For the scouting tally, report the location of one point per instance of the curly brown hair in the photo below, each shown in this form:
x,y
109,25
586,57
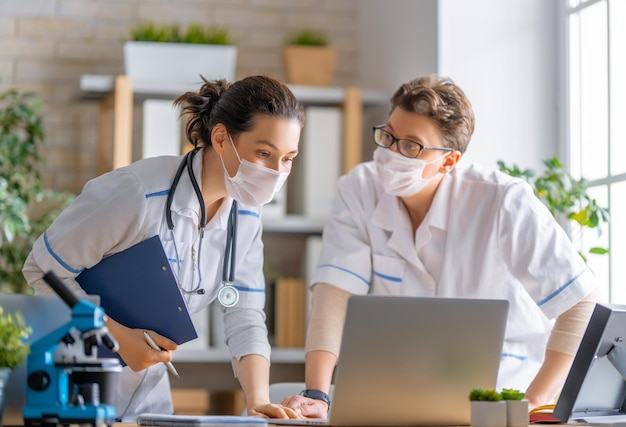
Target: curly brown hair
x,y
443,101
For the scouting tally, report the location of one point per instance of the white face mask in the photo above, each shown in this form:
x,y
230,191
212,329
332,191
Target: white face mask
x,y
253,184
400,175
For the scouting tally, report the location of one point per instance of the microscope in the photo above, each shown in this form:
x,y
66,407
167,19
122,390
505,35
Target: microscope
x,y
66,381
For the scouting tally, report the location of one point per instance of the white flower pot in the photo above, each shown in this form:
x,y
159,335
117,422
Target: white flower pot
x,y
517,413
488,414
178,63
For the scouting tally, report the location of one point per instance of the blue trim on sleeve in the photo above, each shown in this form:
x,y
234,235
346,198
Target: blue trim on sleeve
x,y
390,278
58,258
561,289
363,279
246,289
158,193
515,356
247,212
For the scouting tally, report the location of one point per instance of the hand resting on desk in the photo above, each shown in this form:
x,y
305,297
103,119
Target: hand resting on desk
x,y
271,410
309,408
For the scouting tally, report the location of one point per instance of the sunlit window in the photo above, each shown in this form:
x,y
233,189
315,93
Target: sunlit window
x,y
597,127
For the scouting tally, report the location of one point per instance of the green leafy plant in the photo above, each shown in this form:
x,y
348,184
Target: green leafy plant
x,y
479,394
307,37
511,394
566,197
26,208
169,33
13,332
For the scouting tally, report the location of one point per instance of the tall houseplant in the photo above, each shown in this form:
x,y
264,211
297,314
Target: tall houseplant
x,y
26,208
566,197
166,53
308,59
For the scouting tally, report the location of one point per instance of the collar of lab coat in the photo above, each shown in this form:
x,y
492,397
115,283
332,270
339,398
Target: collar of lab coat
x,y
391,215
186,202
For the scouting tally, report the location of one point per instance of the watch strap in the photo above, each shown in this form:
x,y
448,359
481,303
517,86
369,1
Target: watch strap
x,y
316,394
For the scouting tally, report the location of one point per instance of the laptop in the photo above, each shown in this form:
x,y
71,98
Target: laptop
x,y
414,360
43,313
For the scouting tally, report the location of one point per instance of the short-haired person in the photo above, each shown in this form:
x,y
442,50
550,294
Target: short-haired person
x,y
245,136
416,222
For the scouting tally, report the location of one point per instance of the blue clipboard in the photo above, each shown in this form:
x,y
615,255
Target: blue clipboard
x,y
137,288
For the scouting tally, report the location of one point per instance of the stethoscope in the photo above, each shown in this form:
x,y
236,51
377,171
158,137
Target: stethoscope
x,y
228,295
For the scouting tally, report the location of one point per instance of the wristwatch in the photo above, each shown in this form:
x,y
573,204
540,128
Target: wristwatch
x,y
316,394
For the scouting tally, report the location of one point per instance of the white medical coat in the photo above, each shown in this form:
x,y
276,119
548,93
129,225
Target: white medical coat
x,y
126,206
486,235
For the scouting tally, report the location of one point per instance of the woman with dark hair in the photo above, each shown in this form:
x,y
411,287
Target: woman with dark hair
x,y
245,136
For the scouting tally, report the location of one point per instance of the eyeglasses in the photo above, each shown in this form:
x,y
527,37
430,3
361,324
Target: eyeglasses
x,y
406,147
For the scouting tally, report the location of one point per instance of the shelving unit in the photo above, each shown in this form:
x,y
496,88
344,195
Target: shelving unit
x,y
117,96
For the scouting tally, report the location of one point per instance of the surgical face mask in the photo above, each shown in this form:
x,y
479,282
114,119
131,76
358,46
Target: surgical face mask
x,y
400,175
253,184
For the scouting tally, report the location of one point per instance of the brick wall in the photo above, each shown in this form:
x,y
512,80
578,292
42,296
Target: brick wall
x,y
46,45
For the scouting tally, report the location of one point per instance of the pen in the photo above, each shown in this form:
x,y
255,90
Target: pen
x,y
154,345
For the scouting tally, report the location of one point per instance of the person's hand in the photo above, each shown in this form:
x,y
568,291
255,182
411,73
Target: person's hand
x,y
134,349
270,410
309,408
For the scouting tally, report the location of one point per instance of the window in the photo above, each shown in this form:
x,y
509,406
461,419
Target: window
x,y
596,64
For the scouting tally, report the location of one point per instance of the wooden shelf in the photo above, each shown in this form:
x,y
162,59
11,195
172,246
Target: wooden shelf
x,y
117,95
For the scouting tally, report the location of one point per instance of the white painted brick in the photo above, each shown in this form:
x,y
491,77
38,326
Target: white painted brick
x,y
96,8
27,48
6,69
27,7
246,16
53,27
106,50
112,30
50,70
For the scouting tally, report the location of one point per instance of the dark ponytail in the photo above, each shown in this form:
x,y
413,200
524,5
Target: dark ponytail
x,y
235,105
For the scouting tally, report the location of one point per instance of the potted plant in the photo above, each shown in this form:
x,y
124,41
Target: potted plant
x,y
308,59
167,54
566,198
487,408
26,208
13,348
516,407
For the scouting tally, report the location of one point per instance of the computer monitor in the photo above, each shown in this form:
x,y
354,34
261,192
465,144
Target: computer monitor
x,y
595,388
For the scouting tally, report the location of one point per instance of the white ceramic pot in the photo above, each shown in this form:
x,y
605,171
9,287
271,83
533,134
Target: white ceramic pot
x,y
488,414
178,63
517,413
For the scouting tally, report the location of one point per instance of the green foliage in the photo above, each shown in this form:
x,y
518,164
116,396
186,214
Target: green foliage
x,y
169,33
26,208
307,37
565,197
13,331
511,394
485,395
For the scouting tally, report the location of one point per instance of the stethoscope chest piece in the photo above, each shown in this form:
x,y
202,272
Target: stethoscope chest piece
x,y
228,295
